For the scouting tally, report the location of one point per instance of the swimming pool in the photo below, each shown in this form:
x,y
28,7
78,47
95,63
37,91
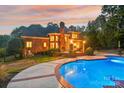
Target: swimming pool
x,y
93,73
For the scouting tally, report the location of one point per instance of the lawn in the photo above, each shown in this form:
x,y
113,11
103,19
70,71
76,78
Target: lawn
x,y
10,69
40,59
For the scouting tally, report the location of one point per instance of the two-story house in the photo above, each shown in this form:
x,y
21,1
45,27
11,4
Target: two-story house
x,y
64,41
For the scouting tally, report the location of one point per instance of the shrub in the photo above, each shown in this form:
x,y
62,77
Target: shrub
x,y
2,52
89,51
72,54
51,52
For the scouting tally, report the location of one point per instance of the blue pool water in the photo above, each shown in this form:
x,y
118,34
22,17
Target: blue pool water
x,y
93,73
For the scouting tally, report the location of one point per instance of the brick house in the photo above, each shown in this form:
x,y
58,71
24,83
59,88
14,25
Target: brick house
x,y
64,41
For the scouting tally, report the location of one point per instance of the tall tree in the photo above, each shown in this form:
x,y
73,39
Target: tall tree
x,y
15,46
4,40
115,16
106,27
91,34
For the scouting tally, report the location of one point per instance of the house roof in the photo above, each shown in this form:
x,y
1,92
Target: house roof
x,y
54,34
35,37
73,32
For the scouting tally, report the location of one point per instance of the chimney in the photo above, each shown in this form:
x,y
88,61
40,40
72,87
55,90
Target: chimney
x,y
62,27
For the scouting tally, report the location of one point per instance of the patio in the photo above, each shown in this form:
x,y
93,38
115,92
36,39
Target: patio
x,y
38,76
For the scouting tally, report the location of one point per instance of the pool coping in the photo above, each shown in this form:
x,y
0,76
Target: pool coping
x,y
61,79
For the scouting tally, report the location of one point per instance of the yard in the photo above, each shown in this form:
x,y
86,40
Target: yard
x,y
10,69
13,66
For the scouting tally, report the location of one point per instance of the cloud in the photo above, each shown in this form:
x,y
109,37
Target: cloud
x,y
26,14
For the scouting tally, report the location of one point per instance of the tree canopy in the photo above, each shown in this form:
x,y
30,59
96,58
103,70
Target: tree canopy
x,y
15,46
4,40
104,31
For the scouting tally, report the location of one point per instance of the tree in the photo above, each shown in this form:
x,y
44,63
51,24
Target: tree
x,y
35,30
4,40
80,28
15,46
3,53
72,28
106,27
115,19
91,32
110,10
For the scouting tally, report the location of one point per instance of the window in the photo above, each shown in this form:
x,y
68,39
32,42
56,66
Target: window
x,y
51,45
78,45
29,44
57,38
65,39
74,35
44,44
75,44
57,46
51,38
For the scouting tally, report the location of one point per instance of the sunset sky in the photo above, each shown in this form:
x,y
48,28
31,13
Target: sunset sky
x,y
15,16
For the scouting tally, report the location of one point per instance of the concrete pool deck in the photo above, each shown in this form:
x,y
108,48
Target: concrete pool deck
x,y
38,76
42,75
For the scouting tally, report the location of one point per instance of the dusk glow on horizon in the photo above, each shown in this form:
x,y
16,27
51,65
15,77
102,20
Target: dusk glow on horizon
x,y
14,16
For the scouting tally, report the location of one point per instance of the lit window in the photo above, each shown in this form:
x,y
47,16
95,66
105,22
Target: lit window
x,y
78,46
71,41
29,44
65,38
57,46
44,44
74,35
57,38
51,38
75,44
51,45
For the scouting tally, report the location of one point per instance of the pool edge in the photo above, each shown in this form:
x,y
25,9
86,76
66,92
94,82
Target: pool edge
x,y
60,78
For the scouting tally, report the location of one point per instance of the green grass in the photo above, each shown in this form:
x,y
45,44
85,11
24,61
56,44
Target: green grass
x,y
42,59
29,62
19,65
